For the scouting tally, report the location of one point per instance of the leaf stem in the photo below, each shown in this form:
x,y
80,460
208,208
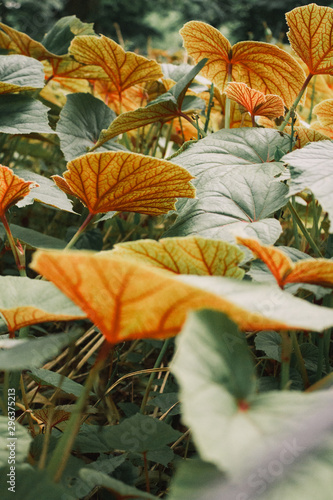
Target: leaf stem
x,y
285,360
305,232
299,359
209,107
295,103
19,261
152,375
78,233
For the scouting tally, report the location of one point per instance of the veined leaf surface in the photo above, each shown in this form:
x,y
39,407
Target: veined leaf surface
x,y
20,74
260,65
311,36
128,182
12,188
255,102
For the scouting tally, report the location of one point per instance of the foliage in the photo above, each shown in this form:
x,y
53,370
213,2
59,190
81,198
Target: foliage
x,y
166,264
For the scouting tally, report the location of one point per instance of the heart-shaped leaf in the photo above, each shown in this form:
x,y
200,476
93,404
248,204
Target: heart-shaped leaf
x,y
318,272
26,302
123,69
128,300
311,36
260,65
191,255
20,114
81,120
166,107
312,168
255,102
128,182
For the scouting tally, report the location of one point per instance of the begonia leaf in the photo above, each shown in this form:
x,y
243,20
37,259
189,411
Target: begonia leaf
x,y
163,109
128,182
25,302
123,69
255,102
21,114
106,289
324,112
312,168
58,39
12,189
260,65
20,74
189,255
311,36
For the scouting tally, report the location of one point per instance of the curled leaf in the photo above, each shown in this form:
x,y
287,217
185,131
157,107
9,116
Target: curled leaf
x,y
255,102
128,182
188,255
12,188
260,65
316,272
311,36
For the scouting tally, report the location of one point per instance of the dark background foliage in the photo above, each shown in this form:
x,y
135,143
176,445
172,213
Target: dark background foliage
x,y
244,19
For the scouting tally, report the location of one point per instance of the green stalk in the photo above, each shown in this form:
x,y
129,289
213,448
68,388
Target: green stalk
x,y
285,360
78,233
299,359
152,375
209,108
313,93
157,139
167,138
295,103
315,228
63,449
305,232
19,261
227,101
295,227
320,356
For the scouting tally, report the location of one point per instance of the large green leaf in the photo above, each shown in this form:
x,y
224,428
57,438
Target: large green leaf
x,y
266,299
312,168
166,107
20,73
59,38
230,422
54,379
81,122
21,441
20,114
23,354
33,239
47,192
240,200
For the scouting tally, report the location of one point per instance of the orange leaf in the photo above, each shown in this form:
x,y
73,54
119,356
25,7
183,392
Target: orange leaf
x,y
132,98
187,255
124,69
125,182
50,416
325,131
129,300
311,36
314,271
260,65
324,112
254,101
20,43
12,189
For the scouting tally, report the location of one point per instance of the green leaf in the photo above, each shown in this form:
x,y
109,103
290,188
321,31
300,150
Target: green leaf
x,y
238,201
193,480
20,114
267,300
121,490
20,74
162,456
164,108
31,484
47,192
19,354
33,239
228,419
54,379
17,445
59,38
81,121
270,343
312,168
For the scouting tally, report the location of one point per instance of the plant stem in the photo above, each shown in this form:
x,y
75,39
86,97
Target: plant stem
x,y
320,356
78,233
145,461
295,227
63,449
295,103
209,108
285,360
313,93
305,232
227,101
18,261
152,375
300,360
167,139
